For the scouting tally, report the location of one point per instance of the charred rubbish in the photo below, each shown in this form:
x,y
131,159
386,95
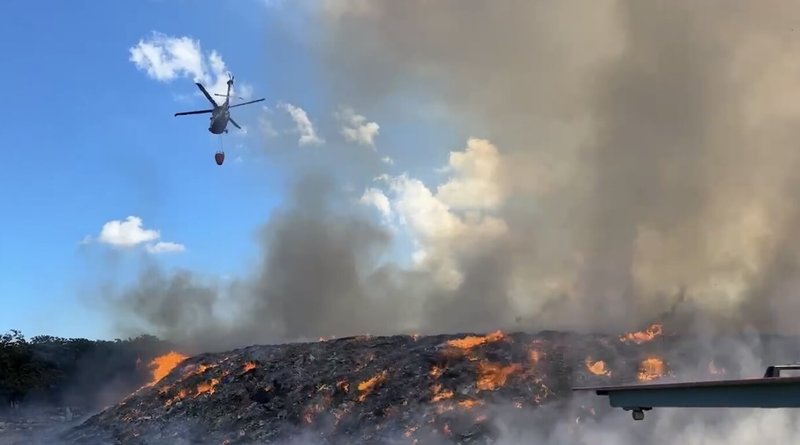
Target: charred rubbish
x,y
375,390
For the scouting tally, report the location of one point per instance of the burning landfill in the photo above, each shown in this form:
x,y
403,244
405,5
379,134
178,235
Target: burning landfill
x,y
393,389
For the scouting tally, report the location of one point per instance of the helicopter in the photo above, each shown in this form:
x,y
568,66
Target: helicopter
x,y
220,114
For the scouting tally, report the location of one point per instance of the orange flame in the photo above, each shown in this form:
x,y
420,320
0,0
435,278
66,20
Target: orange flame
x,y
436,372
493,375
474,341
439,394
249,366
469,403
367,386
164,364
534,355
207,387
651,369
597,368
643,336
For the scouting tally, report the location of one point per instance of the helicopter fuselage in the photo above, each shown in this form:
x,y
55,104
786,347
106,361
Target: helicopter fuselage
x,y
219,120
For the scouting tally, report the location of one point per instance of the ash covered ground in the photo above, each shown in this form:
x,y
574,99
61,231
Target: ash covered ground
x,y
468,388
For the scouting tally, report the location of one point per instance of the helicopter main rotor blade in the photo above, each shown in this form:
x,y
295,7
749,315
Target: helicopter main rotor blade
x,y
184,113
234,123
246,103
205,93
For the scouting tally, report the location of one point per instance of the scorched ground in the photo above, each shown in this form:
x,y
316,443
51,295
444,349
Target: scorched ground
x,y
370,390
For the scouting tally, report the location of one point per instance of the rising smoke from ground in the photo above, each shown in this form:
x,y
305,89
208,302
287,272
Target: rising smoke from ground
x,y
636,155
648,147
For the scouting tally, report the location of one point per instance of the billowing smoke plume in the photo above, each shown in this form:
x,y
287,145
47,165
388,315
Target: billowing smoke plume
x,y
620,160
321,275
646,147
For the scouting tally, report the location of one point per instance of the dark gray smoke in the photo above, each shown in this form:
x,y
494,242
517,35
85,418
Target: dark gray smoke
x,y
648,147
310,282
647,162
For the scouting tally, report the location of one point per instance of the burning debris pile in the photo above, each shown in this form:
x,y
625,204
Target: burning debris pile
x,y
359,390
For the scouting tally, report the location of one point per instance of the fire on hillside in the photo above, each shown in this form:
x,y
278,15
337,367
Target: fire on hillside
x,y
367,389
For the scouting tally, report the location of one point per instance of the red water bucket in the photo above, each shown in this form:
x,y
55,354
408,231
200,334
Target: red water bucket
x,y
219,157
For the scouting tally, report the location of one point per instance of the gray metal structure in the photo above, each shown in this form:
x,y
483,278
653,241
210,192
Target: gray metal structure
x,y
771,391
220,114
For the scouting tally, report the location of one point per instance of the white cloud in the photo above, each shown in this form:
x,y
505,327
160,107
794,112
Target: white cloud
x,y
126,233
441,235
356,128
475,183
455,219
130,233
166,58
378,199
304,126
387,160
165,247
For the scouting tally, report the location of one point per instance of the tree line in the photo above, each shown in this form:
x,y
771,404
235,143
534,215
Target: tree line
x,y
73,371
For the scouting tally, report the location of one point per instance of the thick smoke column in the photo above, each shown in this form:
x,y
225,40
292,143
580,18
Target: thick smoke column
x,y
647,147
309,284
632,160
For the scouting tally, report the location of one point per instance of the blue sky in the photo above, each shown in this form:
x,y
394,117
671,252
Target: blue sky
x,y
90,138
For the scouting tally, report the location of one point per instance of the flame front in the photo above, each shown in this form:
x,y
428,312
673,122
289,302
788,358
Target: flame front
x,y
475,341
651,369
164,364
597,368
469,403
207,387
440,394
367,386
492,375
643,336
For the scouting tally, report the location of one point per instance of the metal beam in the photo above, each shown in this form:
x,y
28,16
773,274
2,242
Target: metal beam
x,y
768,392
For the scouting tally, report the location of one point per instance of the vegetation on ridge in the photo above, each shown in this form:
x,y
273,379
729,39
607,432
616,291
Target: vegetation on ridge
x,y
72,371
